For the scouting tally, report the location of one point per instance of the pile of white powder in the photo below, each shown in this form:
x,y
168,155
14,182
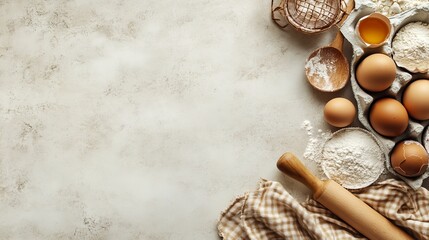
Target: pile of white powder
x,y
351,157
393,7
411,46
315,143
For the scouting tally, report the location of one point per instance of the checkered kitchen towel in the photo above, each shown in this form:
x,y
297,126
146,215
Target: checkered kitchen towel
x,y
271,213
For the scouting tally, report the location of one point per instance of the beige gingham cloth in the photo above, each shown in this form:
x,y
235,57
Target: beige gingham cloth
x,y
272,213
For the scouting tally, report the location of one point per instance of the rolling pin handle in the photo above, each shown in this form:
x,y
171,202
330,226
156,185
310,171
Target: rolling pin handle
x,y
290,165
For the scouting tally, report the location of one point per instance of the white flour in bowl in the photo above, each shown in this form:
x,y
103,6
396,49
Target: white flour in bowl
x,y
352,158
411,46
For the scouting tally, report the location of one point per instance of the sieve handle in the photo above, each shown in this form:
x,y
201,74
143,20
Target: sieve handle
x,y
279,9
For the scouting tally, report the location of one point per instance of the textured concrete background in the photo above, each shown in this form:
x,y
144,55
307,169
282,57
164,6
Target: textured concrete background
x,y
144,119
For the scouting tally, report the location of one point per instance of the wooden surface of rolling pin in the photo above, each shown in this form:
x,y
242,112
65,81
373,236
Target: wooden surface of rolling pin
x,y
342,203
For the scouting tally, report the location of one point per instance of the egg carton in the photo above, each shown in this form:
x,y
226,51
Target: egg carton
x,y
403,77
425,138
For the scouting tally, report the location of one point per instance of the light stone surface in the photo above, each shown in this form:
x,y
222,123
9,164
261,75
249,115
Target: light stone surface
x,y
144,119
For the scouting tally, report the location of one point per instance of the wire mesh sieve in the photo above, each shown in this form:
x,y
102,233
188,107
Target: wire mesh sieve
x,y
309,16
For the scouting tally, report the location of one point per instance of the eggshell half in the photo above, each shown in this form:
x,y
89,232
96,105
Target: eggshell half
x,y
409,159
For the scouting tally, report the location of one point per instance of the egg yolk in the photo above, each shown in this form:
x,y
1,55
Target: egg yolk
x,y
373,30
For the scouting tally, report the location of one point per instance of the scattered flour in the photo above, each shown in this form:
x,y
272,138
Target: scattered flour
x,y
352,158
411,46
393,7
315,143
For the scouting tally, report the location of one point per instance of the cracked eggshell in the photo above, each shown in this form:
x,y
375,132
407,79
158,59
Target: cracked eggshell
x,y
409,158
373,30
364,99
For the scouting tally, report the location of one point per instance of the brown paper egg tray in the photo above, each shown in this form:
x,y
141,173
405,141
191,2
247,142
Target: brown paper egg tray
x,y
416,129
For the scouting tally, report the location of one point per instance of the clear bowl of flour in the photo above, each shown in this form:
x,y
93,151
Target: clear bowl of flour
x,y
353,158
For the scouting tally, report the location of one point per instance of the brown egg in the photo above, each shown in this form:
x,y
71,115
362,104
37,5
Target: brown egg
x,y
416,99
388,117
376,72
409,158
339,112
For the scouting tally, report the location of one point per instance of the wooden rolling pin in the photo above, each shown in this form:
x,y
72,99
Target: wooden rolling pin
x,y
342,203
